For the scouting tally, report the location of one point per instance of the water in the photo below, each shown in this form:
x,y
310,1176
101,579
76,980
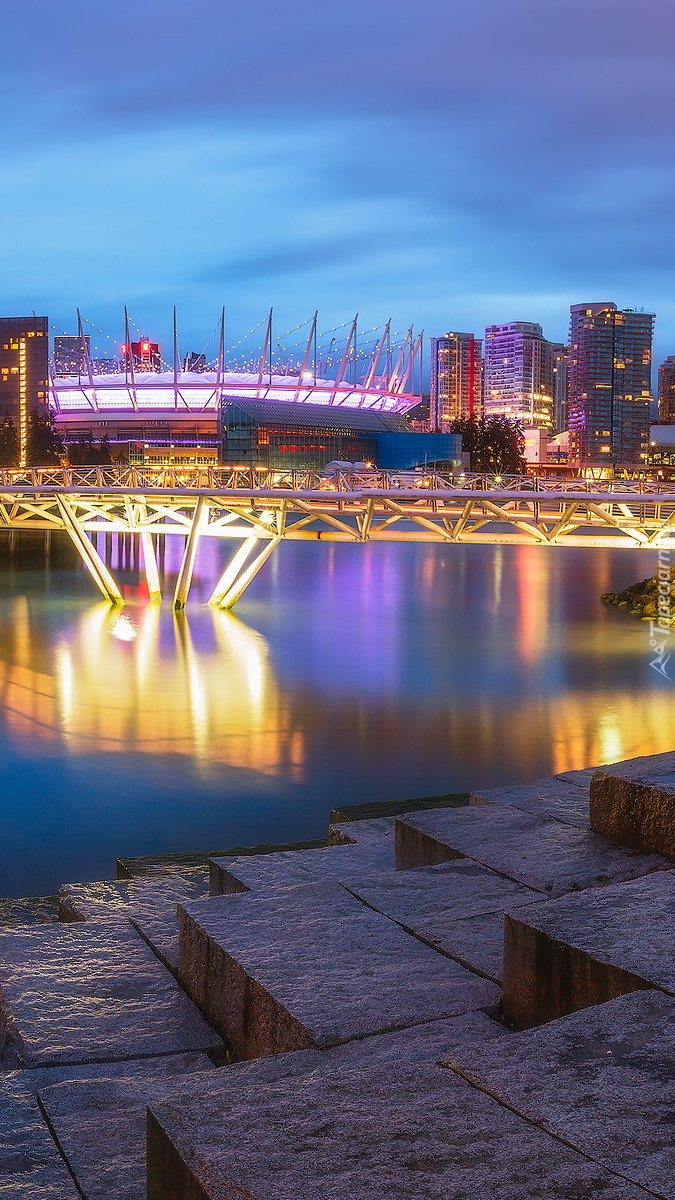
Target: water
x,y
348,674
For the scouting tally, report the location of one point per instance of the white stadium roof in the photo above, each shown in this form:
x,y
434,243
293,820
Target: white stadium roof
x,y
192,391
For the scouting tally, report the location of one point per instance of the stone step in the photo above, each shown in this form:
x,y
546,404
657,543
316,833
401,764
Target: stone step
x,y
410,1132
31,1166
557,798
149,902
601,1079
457,907
171,864
31,910
91,992
543,853
587,949
269,872
634,802
310,966
101,1125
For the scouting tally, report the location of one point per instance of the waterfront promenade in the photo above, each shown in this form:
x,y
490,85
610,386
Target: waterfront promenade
x,y
447,1001
260,510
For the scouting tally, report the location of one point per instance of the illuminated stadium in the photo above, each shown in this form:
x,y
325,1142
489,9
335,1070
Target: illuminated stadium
x,y
160,412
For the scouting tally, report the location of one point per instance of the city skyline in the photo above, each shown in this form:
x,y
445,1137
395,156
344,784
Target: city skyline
x,y
454,167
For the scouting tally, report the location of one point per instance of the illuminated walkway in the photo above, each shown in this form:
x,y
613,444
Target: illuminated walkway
x,y
263,508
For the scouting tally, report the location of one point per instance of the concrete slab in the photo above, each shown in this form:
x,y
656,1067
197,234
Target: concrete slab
x,y
557,798
456,907
586,949
311,966
90,992
272,871
30,1163
545,854
634,802
411,1133
602,1079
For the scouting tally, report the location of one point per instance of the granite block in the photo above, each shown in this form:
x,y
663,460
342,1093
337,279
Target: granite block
x,y
634,802
87,992
603,1080
543,853
272,871
100,1125
119,898
585,949
457,907
311,966
377,833
581,778
417,1133
30,1163
547,797
31,910
160,931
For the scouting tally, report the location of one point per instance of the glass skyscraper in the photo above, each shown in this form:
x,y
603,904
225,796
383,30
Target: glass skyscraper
x,y
24,367
609,383
519,374
456,379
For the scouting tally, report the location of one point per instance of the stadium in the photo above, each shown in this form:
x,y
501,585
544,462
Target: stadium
x,y
294,405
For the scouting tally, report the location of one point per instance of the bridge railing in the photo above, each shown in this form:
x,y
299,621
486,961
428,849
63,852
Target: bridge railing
x,y
254,478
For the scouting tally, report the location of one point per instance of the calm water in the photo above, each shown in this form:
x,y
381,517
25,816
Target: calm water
x,y
349,674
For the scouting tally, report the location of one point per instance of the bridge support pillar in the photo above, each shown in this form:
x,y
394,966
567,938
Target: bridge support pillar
x,y
187,565
234,580
89,553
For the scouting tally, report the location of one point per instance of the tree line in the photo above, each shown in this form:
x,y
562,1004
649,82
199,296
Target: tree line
x,y
495,444
45,446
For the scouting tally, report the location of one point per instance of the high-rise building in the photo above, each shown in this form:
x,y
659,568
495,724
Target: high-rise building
x,y
560,355
667,390
24,368
609,383
71,352
519,379
456,379
144,354
195,362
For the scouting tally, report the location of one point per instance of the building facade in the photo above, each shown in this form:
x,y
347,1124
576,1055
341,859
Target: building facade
x,y
24,372
667,390
609,383
456,379
560,356
286,436
144,355
519,374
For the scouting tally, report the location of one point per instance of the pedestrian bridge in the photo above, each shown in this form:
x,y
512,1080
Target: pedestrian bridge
x,y
259,509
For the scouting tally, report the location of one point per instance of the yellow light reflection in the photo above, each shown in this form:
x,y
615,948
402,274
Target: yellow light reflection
x,y
134,682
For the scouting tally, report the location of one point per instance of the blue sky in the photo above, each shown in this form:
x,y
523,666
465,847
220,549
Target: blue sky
x,y
447,164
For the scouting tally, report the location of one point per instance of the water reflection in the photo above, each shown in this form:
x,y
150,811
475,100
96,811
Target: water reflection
x,y
133,681
350,673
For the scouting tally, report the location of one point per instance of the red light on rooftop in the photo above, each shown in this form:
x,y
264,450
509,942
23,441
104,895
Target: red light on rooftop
x,y
145,345
124,349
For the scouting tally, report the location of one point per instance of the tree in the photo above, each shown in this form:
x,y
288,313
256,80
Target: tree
x,y
9,443
85,452
494,443
44,444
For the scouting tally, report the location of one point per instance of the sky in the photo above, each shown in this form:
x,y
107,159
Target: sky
x,y
447,164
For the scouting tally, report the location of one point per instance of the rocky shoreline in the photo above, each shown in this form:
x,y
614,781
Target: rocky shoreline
x,y
642,599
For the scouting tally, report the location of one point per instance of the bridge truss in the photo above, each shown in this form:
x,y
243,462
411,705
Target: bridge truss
x,y
260,517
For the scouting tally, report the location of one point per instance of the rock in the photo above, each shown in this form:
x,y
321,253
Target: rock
x,y
311,966
548,855
587,949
